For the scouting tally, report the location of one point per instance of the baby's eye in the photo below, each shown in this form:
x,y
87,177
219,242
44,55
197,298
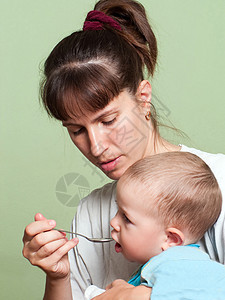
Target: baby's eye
x,y
126,219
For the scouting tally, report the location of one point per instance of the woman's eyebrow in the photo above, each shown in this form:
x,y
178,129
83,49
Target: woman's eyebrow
x,y
66,124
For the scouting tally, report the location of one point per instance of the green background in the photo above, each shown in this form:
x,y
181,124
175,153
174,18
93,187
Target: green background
x,y
36,152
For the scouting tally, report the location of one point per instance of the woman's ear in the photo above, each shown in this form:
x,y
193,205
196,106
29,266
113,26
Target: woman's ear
x,y
144,93
174,237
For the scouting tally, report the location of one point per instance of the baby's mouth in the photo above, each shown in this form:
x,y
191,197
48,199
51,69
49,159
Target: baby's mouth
x,y
118,248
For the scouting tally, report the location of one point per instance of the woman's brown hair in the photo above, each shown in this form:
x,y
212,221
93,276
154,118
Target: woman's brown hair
x,y
87,69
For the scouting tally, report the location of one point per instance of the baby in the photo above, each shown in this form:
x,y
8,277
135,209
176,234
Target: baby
x,y
166,203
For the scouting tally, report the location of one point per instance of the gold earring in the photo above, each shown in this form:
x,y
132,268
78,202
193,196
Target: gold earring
x,y
148,116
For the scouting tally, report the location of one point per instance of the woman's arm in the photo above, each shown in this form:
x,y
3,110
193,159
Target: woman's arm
x,y
58,289
121,290
47,249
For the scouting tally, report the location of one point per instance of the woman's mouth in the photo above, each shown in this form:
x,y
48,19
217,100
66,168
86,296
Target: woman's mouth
x,y
118,248
109,165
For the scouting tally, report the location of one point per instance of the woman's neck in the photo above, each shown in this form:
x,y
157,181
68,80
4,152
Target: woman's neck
x,y
163,145
160,145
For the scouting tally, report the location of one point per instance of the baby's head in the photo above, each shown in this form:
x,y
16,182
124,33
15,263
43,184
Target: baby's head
x,y
165,200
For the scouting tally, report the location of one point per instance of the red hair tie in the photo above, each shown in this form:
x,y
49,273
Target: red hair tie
x,y
96,19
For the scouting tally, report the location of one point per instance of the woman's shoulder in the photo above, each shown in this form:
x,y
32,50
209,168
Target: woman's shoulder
x,y
213,241
99,201
215,161
104,193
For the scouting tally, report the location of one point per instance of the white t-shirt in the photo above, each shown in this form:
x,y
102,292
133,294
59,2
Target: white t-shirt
x,y
99,264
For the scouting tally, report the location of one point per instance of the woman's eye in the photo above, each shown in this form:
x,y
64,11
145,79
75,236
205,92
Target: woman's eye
x,y
108,123
77,132
126,219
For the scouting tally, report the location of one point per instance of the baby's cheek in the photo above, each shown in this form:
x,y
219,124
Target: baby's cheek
x,y
132,252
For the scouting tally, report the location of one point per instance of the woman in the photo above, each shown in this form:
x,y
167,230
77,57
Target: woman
x,y
94,84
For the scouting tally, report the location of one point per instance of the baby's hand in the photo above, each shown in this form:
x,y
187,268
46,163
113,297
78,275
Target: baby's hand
x,y
47,248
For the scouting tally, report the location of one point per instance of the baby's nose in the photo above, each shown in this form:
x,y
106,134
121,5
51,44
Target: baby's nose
x,y
114,223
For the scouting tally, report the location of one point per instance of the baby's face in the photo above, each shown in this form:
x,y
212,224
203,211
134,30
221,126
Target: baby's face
x,y
138,236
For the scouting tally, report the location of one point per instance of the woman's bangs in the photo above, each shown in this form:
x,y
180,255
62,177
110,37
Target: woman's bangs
x,y
80,91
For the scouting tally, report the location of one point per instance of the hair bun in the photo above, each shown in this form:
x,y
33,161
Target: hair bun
x,y
95,20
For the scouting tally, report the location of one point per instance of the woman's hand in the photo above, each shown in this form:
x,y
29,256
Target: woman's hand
x,y
47,248
121,290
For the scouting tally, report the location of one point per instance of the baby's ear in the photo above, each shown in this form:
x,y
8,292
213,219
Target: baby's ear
x,y
175,237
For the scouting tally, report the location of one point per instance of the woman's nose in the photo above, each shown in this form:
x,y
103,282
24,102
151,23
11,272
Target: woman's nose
x,y
97,141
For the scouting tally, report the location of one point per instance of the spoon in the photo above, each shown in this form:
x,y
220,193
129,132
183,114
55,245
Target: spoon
x,y
94,240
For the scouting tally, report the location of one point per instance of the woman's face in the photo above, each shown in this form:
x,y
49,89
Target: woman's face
x,y
114,137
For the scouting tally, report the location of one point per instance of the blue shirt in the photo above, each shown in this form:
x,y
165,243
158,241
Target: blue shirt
x,y
182,273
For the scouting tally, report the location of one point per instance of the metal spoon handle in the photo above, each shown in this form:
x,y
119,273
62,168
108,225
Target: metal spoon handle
x,y
95,240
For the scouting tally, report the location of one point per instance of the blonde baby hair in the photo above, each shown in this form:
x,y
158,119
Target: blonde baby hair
x,y
185,192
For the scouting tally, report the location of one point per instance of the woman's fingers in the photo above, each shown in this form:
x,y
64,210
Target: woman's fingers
x,y
44,238
122,290
59,253
116,283
47,248
39,217
56,264
39,234
117,290
37,227
50,247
